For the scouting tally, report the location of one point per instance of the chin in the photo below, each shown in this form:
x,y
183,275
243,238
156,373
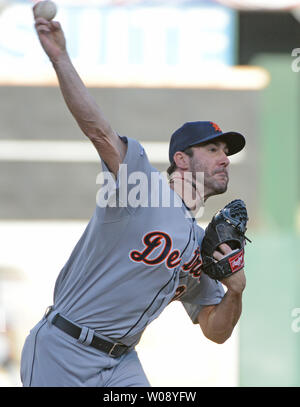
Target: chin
x,y
220,189
216,188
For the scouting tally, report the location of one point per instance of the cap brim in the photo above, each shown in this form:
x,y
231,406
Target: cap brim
x,y
235,141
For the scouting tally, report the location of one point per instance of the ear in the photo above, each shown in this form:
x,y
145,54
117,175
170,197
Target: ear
x,y
182,160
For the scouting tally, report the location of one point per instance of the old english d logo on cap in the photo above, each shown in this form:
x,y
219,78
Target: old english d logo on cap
x,y
216,127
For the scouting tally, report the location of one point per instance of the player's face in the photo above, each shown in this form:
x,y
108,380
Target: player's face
x,y
212,160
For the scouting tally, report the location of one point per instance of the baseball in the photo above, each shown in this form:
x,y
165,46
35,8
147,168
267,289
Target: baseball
x,y
46,9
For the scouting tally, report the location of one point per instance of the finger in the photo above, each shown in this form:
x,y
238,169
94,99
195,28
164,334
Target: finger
x,y
217,255
224,248
41,20
55,25
42,29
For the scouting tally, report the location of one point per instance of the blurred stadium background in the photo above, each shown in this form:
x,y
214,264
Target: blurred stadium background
x,y
153,65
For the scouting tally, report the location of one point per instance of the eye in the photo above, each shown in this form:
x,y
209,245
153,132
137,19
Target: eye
x,y
213,149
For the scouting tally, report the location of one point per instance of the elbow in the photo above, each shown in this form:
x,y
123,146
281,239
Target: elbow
x,y
213,329
220,341
96,130
218,338
98,134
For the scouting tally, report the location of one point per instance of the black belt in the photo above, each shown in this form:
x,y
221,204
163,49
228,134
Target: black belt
x,y
114,350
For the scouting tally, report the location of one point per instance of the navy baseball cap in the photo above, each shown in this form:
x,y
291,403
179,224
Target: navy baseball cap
x,y
192,133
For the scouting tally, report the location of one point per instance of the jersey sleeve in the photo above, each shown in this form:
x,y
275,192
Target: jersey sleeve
x,y
120,196
199,294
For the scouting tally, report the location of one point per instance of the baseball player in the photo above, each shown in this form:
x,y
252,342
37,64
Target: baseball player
x,y
133,258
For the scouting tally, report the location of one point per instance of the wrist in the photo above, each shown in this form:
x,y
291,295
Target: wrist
x,y
236,283
235,291
60,59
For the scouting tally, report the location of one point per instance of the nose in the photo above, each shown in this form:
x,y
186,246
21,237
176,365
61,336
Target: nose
x,y
224,160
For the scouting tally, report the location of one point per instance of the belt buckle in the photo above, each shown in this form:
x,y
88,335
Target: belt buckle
x,y
110,353
48,310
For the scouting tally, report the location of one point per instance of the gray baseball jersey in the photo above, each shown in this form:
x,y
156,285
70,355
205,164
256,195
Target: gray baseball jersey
x,y
140,251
